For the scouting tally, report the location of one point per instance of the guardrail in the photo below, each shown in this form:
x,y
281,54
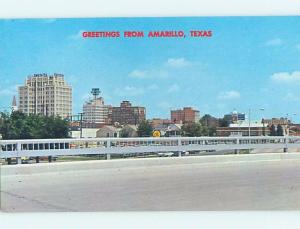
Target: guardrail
x,y
108,146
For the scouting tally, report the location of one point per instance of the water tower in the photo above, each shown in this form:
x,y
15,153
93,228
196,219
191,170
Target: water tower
x,y
95,92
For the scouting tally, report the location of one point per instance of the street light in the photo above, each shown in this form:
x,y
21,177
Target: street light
x,y
249,117
287,123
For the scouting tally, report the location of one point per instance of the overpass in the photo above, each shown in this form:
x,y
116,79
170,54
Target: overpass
x,y
107,146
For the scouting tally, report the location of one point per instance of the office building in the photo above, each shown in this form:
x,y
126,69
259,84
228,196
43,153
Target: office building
x,y
235,117
44,94
242,129
128,114
94,111
185,115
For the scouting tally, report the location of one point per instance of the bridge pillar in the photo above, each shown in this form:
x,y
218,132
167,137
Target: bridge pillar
x,y
179,154
9,161
108,156
285,149
37,159
18,160
236,151
49,158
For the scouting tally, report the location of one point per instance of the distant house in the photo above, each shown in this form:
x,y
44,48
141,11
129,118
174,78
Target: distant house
x,y
108,132
86,133
129,131
169,130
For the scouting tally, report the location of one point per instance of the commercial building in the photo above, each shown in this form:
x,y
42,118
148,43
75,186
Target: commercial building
x,y
277,121
242,129
94,111
128,114
44,94
157,121
185,115
235,117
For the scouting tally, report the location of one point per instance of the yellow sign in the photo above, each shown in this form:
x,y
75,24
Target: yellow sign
x,y
156,134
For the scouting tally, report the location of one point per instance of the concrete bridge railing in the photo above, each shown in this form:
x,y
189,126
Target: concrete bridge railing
x,y
108,146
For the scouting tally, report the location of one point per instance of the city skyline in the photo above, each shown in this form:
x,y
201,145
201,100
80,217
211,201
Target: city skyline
x,y
249,62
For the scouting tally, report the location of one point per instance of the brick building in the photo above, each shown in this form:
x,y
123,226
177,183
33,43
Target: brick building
x,y
185,115
128,114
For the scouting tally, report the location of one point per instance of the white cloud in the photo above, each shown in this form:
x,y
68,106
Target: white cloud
x,y
286,77
76,36
138,73
162,71
178,62
227,95
148,74
173,88
129,91
274,42
291,97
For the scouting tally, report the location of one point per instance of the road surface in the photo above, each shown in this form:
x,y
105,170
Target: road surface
x,y
255,185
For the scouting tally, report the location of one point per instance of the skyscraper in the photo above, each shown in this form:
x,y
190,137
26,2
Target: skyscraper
x,y
94,111
44,94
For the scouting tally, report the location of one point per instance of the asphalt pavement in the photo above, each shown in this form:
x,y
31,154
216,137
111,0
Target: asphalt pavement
x,y
162,186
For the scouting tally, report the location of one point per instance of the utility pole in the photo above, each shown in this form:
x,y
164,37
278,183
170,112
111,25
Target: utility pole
x,y
249,128
80,124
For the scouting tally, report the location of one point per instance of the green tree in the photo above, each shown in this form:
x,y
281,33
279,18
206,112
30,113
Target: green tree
x,y
212,131
124,133
279,130
144,129
224,122
17,125
273,130
192,130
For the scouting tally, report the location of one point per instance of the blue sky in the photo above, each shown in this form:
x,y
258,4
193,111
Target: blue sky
x,y
249,62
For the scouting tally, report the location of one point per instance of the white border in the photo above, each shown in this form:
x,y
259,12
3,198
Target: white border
x,y
148,8
142,8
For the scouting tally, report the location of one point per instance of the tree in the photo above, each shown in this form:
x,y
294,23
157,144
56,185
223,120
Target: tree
x,y
124,133
191,129
18,125
273,130
144,129
224,122
212,131
279,130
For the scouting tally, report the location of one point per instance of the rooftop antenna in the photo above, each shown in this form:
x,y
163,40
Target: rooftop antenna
x,y
95,92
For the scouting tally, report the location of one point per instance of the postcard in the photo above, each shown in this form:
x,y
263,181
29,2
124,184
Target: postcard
x,y
150,114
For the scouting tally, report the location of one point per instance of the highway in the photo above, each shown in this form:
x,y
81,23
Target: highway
x,y
237,182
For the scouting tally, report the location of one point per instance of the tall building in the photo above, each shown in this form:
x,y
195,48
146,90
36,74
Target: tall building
x,y
94,111
44,94
185,115
128,114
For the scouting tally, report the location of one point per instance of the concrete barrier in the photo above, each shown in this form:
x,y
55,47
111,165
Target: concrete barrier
x,y
58,167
